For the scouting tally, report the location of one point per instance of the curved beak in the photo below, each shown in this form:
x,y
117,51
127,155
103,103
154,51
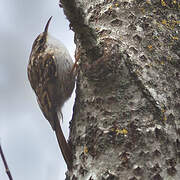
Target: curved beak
x,y
47,25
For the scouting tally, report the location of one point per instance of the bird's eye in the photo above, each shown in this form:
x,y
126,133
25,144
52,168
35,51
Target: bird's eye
x,y
41,40
38,41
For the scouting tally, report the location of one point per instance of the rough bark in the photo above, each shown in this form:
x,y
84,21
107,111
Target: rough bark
x,y
126,120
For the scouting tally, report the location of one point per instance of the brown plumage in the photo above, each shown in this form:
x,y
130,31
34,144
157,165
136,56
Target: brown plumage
x,y
52,79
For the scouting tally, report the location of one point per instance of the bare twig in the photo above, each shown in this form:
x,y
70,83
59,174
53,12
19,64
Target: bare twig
x,y
5,164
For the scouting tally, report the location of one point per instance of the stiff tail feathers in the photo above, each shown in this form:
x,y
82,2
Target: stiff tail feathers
x,y
64,146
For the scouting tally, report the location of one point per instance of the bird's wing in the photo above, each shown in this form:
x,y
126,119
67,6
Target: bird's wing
x,y
43,79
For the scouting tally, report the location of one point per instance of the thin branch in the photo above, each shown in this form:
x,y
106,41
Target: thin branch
x,y
5,164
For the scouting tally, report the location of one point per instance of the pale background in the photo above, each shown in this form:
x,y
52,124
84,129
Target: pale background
x,y
28,142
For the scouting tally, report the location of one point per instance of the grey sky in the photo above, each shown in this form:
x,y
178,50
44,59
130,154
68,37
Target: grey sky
x,y
28,142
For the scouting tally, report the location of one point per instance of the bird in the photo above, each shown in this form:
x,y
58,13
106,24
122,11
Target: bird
x,y
50,73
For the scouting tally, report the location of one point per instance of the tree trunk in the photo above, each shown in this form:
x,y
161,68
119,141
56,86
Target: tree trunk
x,y
126,120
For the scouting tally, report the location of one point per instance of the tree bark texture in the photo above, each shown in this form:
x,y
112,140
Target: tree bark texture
x,y
126,120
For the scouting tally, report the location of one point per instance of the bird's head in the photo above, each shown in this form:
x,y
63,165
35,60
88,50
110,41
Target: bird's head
x,y
41,40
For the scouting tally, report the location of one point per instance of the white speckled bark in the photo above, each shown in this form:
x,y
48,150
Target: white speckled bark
x,y
127,111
